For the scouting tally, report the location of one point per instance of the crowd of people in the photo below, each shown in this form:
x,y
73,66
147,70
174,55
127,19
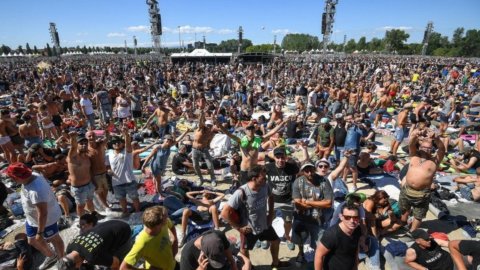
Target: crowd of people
x,y
79,136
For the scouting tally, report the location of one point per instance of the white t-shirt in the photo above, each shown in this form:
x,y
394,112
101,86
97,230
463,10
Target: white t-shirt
x,y
122,167
87,103
35,192
312,99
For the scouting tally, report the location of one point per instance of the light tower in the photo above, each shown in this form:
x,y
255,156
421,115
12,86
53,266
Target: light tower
x,y
328,18
240,39
155,23
55,38
135,45
426,37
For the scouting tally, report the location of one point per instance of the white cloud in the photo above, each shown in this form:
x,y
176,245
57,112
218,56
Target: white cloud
x,y
166,29
115,35
139,28
187,29
82,34
387,28
225,31
281,31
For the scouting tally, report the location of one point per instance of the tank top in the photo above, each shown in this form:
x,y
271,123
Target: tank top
x,y
433,258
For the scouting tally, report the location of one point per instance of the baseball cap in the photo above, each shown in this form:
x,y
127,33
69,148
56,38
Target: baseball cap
x,y
420,234
306,165
116,139
212,247
362,197
324,120
279,151
324,161
81,138
209,123
19,170
168,137
338,115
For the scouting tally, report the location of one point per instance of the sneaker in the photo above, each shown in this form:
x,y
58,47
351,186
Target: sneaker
x,y
214,183
265,244
290,245
49,261
352,189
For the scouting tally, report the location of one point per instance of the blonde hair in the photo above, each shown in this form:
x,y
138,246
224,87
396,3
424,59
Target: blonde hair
x,y
154,216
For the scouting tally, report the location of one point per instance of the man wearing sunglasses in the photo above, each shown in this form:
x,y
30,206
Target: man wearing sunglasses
x,y
417,185
338,248
312,194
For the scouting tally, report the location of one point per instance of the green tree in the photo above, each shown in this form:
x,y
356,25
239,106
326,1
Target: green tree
x,y
49,50
266,48
362,44
395,39
458,36
28,50
5,49
300,42
231,45
84,49
437,41
35,50
20,49
375,44
471,43
350,46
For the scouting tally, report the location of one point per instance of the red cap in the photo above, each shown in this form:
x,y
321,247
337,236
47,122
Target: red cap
x,y
18,170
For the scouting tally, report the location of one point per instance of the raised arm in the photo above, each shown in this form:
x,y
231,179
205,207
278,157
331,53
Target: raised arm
x,y
128,140
275,130
73,144
179,139
412,144
226,132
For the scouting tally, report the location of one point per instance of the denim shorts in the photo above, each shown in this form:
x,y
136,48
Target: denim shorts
x,y
48,232
122,191
83,193
400,134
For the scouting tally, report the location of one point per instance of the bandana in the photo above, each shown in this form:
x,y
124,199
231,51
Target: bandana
x,y
18,170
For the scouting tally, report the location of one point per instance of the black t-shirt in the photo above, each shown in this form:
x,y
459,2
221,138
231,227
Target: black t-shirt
x,y
471,248
343,248
281,180
190,254
340,134
177,162
476,154
302,91
99,245
434,257
291,130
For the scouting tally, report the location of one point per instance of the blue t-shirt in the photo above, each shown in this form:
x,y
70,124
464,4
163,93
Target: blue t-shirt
x,y
354,134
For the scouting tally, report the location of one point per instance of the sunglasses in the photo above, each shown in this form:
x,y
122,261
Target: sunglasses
x,y
323,166
354,218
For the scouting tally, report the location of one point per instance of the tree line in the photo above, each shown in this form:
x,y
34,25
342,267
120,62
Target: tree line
x,y
464,43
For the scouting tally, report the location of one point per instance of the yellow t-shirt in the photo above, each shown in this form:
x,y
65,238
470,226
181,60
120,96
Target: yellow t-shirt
x,y
415,77
155,250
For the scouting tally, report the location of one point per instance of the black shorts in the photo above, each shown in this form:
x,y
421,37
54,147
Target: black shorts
x,y
137,114
200,217
243,177
17,139
57,120
249,240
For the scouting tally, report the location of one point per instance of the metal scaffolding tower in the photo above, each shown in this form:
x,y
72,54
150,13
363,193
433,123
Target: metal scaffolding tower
x,y
55,38
426,37
240,39
328,18
155,23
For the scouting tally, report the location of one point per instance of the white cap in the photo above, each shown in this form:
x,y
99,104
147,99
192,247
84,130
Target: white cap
x,y
209,122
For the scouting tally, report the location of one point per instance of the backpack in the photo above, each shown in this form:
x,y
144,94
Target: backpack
x,y
236,215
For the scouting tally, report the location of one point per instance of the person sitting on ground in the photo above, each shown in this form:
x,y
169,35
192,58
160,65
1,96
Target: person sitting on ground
x,y
56,170
381,216
182,163
211,250
468,248
104,245
473,157
153,244
38,155
65,199
205,209
427,253
469,186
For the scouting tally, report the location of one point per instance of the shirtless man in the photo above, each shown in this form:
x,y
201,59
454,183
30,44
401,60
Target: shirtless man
x,y
5,142
417,185
401,131
201,144
366,100
55,170
382,104
469,186
352,101
54,108
67,98
96,154
79,167
161,113
249,145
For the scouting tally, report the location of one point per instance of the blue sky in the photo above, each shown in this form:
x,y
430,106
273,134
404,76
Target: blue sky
x,y
110,22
